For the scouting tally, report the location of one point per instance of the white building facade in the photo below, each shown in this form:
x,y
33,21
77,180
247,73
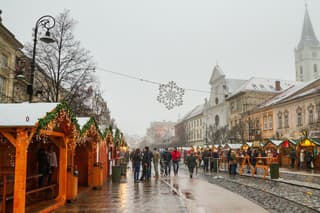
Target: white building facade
x,y
307,53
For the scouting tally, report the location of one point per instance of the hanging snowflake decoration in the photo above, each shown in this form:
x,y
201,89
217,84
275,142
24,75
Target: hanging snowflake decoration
x,y
170,95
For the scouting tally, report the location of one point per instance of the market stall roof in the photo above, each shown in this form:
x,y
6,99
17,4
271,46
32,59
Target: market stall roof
x,y
23,114
234,145
316,141
291,141
82,121
275,142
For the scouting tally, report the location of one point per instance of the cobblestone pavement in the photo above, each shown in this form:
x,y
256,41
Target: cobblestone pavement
x,y
152,196
273,195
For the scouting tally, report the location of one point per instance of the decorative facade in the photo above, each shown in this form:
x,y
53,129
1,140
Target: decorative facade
x,y
216,113
290,114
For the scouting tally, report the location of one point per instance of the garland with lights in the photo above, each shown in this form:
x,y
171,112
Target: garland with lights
x,y
61,109
89,126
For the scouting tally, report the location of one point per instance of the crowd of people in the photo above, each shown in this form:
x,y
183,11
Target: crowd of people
x,y
207,159
144,159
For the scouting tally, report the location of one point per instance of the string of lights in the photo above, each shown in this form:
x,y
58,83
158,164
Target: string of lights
x,y
146,80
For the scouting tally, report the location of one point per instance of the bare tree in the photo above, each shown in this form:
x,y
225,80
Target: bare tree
x,y
66,67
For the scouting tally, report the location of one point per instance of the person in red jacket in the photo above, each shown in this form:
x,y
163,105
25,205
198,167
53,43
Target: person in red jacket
x,y
175,155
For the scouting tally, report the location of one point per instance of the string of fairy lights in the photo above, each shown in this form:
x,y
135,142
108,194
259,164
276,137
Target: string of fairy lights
x,y
170,94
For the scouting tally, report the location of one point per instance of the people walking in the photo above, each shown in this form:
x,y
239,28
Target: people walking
x,y
233,163
136,162
156,159
293,157
191,163
166,157
302,156
146,162
175,155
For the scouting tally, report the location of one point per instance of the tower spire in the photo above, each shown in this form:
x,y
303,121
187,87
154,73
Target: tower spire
x,y
308,37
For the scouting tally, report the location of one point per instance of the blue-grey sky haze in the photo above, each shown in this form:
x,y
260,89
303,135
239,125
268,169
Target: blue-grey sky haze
x,y
179,40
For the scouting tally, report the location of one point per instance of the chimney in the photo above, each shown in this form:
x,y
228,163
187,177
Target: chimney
x,y
278,87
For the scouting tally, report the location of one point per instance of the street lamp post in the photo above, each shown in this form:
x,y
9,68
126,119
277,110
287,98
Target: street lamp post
x,y
47,22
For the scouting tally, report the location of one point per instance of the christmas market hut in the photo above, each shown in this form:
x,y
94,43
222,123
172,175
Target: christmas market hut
x,y
245,146
284,149
272,145
86,156
104,153
34,139
311,150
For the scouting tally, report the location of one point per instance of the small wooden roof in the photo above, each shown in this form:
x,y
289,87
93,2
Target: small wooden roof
x,y
234,145
275,142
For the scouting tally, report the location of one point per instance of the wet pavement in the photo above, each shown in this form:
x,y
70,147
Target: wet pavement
x,y
153,196
202,196
276,195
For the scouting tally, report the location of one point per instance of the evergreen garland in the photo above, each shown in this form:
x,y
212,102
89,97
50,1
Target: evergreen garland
x,y
50,116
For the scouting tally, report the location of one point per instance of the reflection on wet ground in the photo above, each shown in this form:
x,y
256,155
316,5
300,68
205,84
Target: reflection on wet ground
x,y
151,196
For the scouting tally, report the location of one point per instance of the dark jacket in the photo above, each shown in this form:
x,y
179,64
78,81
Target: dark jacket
x,y
191,161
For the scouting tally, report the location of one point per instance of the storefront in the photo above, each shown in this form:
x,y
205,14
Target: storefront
x,y
311,147
284,149
33,130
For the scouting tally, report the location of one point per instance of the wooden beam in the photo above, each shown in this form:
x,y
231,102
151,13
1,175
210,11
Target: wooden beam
x,y
10,138
33,131
52,133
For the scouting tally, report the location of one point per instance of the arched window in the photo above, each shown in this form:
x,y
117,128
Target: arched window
x,y
310,110
299,116
286,119
216,120
279,120
301,74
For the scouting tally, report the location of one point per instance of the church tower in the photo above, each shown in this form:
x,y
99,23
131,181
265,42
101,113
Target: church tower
x,y
307,53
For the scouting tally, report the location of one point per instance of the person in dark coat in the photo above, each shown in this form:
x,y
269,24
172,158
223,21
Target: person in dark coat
x,y
136,162
293,157
43,166
191,163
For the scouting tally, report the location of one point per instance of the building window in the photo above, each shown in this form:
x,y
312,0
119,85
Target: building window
x,y
1,88
280,120
216,120
286,119
311,117
257,124
315,68
301,70
232,106
299,116
217,100
265,123
4,61
270,121
318,112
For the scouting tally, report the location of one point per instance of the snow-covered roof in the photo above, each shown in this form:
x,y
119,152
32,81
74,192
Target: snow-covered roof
x,y
194,112
276,142
234,145
287,93
23,114
82,121
262,85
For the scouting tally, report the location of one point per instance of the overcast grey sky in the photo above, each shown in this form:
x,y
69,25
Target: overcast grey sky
x,y
179,40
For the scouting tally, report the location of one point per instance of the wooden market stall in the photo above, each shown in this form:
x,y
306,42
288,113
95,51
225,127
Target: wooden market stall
x,y
312,146
272,145
86,156
245,146
284,149
32,129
